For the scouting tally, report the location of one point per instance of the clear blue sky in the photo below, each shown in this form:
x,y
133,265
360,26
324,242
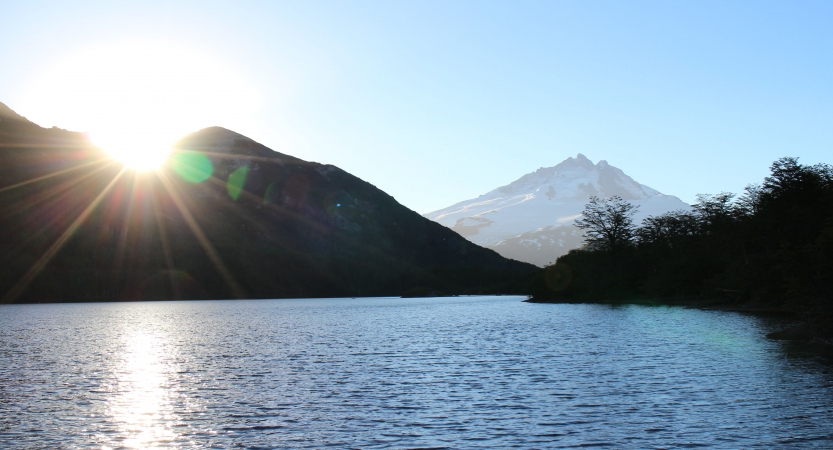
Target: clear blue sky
x,y
437,102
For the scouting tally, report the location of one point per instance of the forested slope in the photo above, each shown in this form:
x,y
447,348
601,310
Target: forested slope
x,y
770,247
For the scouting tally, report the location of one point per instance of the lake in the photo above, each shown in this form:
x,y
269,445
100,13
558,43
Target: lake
x,y
464,372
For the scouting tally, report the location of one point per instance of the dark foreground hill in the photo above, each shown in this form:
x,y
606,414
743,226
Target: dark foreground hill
x,y
226,217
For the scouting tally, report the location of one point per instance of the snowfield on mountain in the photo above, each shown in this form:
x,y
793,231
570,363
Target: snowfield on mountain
x,y
531,219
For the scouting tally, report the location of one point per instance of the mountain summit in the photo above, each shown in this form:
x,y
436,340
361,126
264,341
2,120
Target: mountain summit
x,y
578,179
531,219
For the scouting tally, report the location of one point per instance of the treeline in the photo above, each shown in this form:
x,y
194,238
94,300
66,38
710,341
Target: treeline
x,y
772,246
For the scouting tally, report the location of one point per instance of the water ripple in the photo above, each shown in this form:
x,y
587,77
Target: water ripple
x,y
480,372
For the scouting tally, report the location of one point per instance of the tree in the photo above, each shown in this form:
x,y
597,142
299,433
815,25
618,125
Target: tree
x,y
607,224
715,211
669,229
795,202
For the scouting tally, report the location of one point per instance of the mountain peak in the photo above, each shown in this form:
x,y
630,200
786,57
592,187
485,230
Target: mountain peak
x,y
224,141
579,161
576,179
208,136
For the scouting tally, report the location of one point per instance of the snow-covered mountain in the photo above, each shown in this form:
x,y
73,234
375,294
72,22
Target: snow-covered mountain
x,y
531,219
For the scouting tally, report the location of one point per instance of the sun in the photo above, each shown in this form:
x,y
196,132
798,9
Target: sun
x,y
138,152
135,99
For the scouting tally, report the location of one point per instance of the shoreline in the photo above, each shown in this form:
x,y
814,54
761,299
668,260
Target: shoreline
x,y
799,332
704,304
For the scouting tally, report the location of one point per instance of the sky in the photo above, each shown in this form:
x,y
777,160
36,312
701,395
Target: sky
x,y
439,102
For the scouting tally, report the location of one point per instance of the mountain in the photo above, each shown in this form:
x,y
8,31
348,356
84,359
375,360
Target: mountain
x,y
531,219
226,217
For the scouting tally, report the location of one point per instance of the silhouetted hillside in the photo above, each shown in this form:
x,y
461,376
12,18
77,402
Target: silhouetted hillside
x,y
226,217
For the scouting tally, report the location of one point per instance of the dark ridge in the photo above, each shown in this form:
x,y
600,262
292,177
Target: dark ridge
x,y
225,218
7,113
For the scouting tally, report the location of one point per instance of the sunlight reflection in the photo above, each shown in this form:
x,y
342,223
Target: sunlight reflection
x,y
143,407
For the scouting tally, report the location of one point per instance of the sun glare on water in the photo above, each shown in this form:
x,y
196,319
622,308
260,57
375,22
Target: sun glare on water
x,y
136,99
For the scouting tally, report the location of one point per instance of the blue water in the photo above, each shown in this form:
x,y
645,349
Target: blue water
x,y
469,372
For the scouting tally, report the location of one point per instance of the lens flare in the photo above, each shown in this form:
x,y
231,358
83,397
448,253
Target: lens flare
x,y
193,167
236,181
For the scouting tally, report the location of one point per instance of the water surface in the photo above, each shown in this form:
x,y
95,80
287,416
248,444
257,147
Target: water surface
x,y
468,372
